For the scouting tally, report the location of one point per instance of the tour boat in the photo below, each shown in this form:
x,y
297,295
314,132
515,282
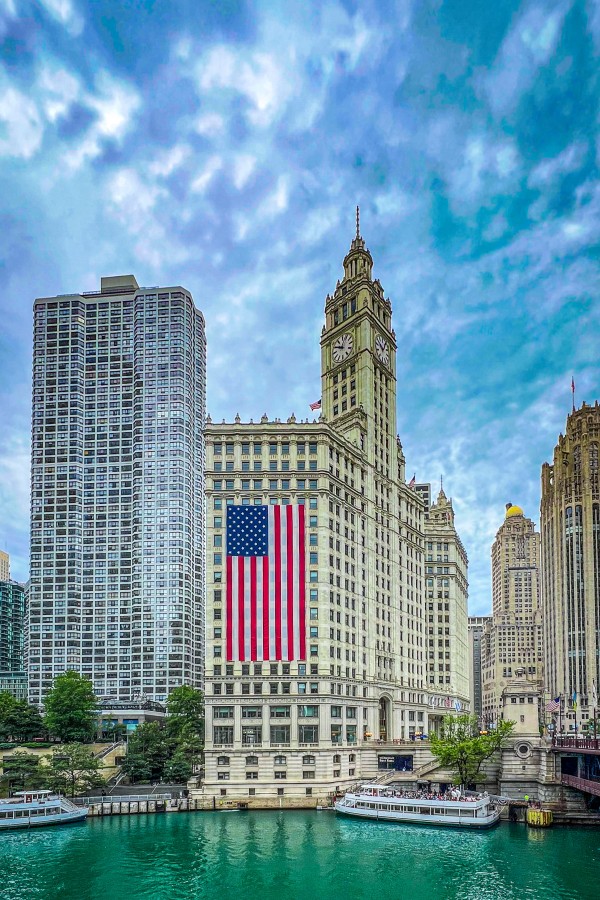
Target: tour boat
x,y
31,808
375,801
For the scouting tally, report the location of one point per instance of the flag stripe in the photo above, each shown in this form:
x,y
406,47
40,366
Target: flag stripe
x,y
253,587
277,535
229,601
301,585
290,582
240,600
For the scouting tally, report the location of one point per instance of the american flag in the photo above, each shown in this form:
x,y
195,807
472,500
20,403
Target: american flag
x,y
266,599
554,705
316,405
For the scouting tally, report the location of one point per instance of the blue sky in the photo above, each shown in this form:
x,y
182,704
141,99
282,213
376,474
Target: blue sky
x,y
224,146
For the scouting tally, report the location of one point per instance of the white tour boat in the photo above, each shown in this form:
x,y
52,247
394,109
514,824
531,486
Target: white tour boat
x,y
375,801
31,808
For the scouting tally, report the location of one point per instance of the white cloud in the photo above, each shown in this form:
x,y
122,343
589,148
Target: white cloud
x,y
59,89
204,178
115,104
571,159
22,126
166,162
243,167
210,124
66,13
528,46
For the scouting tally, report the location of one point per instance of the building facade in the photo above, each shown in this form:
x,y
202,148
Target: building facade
x,y
570,527
4,566
12,636
477,626
117,521
447,589
513,639
296,727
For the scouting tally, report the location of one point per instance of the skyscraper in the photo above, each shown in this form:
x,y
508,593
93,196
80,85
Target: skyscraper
x,y
294,721
513,638
570,527
446,586
477,625
117,523
4,566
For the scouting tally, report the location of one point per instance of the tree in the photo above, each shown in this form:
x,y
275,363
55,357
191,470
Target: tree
x,y
178,768
185,722
71,708
73,768
21,770
463,748
18,720
148,749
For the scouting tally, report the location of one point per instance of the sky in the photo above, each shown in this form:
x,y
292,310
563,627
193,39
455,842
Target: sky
x,y
224,145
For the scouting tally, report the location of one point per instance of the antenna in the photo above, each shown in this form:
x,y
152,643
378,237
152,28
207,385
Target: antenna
x,y
357,222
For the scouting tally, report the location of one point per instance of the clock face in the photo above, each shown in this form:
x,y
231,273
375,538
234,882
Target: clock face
x,y
342,347
382,350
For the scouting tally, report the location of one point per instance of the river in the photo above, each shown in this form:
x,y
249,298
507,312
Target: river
x,y
296,855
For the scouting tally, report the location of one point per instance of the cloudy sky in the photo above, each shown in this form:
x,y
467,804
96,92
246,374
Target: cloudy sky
x,y
224,145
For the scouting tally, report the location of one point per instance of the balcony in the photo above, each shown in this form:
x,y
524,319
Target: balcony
x,y
576,742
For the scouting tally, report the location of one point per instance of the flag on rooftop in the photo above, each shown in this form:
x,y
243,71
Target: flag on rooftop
x,y
413,481
553,705
316,405
265,595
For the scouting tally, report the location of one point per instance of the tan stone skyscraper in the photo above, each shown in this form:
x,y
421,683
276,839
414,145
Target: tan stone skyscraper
x,y
4,566
570,525
513,638
446,584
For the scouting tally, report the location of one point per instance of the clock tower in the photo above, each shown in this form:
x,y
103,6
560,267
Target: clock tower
x,y
358,361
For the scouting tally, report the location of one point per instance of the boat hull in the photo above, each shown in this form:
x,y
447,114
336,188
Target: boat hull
x,y
409,818
63,818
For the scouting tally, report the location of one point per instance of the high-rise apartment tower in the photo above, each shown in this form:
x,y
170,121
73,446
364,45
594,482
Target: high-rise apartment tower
x,y
117,523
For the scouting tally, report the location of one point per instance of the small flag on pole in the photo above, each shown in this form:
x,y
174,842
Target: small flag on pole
x,y
412,481
574,699
316,405
594,694
554,705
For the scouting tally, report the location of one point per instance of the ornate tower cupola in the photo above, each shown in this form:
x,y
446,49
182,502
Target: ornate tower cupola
x,y
358,261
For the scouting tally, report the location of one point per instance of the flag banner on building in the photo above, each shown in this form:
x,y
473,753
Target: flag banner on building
x,y
553,705
574,700
266,597
316,405
594,695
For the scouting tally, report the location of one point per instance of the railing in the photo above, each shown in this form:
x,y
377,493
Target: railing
x,y
582,784
126,798
575,742
106,750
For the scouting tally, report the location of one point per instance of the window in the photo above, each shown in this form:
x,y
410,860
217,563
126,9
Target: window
x,y
280,760
336,712
308,712
223,734
308,760
222,760
280,776
308,734
309,774
280,734
252,760
251,776
280,712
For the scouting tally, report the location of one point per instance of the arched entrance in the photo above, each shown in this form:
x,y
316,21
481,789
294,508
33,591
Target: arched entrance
x,y
385,719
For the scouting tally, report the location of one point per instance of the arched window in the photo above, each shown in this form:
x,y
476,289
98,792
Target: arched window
x,y
252,760
308,760
222,760
280,761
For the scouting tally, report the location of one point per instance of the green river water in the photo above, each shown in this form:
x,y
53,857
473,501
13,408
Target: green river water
x,y
308,855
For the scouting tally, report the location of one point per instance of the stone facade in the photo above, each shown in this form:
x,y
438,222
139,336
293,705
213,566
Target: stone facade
x,y
512,639
570,526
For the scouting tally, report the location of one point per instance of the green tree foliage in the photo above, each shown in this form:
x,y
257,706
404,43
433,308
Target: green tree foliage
x,y
185,722
18,720
71,708
21,770
168,752
148,750
462,748
71,769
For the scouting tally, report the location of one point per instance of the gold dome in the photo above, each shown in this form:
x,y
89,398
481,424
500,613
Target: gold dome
x,y
513,511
